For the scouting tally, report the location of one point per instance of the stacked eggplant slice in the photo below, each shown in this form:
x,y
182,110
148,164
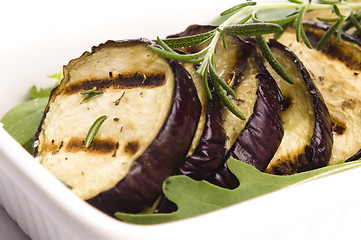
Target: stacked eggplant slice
x,y
335,70
307,141
157,120
152,113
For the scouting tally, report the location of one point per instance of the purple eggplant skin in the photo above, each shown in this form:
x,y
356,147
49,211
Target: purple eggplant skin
x,y
210,151
263,132
208,155
318,152
142,185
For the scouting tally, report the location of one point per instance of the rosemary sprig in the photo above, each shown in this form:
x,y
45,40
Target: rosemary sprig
x,y
356,23
94,130
90,93
221,89
67,185
300,32
244,20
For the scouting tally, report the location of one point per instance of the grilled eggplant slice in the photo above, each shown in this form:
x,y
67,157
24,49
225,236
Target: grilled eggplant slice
x,y
307,141
257,143
253,141
336,71
152,109
262,135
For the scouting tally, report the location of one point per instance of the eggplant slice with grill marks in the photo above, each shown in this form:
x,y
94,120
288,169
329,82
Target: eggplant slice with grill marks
x,y
336,71
152,113
307,141
257,96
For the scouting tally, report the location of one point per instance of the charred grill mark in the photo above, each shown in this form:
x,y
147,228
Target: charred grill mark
x,y
61,145
349,104
290,164
97,146
55,152
337,127
241,64
52,147
120,81
286,103
116,148
131,147
244,63
335,50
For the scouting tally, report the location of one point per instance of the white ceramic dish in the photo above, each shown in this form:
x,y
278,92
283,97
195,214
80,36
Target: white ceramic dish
x,y
38,37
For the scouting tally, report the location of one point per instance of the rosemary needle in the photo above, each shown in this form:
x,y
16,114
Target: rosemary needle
x,y
94,130
90,93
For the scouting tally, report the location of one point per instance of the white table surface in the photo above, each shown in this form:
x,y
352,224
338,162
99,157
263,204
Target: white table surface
x,y
9,229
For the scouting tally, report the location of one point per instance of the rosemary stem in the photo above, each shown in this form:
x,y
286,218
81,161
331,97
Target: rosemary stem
x,y
264,6
209,54
341,6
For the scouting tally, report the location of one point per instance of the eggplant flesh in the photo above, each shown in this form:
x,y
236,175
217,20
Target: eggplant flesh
x,y
149,102
202,96
335,71
262,135
307,141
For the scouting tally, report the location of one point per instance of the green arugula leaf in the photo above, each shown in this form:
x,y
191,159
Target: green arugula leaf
x,y
22,121
59,76
45,92
199,197
39,93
